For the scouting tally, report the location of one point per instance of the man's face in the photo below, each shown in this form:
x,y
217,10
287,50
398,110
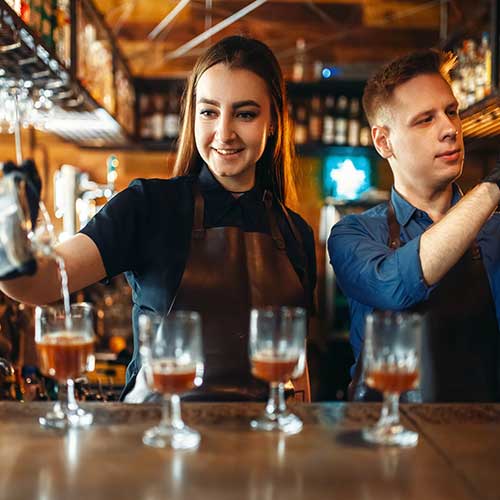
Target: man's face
x,y
425,134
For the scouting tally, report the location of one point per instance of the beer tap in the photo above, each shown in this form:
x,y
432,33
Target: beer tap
x,y
77,196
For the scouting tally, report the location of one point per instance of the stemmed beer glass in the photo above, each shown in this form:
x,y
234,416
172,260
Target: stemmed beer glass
x,y
391,361
65,346
277,354
172,357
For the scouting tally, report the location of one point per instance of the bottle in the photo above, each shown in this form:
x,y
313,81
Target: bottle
x,y
62,32
171,125
354,125
365,135
341,121
25,11
328,135
158,118
47,25
315,120
469,71
486,57
458,79
299,64
301,125
145,113
35,21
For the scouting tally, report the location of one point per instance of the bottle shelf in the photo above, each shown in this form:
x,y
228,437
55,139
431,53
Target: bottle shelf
x,y
24,57
31,58
476,77
321,150
314,107
482,119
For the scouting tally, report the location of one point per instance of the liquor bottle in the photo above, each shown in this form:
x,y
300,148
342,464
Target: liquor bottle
x,y
328,135
145,113
469,71
315,120
299,65
125,95
365,133
62,32
341,121
301,125
158,118
354,125
171,125
35,21
485,51
47,14
457,79
25,11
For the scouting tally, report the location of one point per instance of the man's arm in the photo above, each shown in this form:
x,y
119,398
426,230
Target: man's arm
x,y
83,264
442,245
370,272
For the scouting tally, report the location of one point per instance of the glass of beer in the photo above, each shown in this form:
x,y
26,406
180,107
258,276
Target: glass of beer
x,y
277,354
391,360
65,347
172,357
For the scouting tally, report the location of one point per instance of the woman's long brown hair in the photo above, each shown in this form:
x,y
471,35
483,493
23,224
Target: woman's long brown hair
x,y
274,170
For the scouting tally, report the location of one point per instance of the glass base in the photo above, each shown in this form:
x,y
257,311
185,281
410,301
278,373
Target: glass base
x,y
62,418
179,439
287,423
392,435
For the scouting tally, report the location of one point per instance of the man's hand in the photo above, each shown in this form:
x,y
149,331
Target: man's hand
x,y
494,175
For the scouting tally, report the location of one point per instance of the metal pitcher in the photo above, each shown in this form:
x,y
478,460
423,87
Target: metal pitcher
x,y
16,253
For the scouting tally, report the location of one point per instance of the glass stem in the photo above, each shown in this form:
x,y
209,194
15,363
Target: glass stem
x,y
276,403
72,404
390,409
171,412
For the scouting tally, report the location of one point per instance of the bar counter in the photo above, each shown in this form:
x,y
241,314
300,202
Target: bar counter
x,y
458,455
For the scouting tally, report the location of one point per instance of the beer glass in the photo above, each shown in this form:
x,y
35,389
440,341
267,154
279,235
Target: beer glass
x,y
65,347
172,357
391,360
277,354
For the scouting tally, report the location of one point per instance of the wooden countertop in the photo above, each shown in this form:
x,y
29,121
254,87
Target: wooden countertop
x,y
458,456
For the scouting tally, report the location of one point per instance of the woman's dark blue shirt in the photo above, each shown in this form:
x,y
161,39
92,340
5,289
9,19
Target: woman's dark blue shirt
x,y
145,231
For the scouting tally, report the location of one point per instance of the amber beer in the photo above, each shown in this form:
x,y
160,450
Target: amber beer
x,y
171,378
273,369
395,381
64,355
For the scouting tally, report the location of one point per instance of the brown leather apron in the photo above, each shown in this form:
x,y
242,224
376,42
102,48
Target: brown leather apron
x,y
460,345
228,272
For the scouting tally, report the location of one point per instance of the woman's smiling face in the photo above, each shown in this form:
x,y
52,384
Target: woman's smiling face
x,y
232,123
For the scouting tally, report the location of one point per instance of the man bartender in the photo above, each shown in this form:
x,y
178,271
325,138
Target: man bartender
x,y
430,248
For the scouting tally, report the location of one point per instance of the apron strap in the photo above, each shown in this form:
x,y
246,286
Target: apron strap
x,y
302,254
273,223
394,229
198,232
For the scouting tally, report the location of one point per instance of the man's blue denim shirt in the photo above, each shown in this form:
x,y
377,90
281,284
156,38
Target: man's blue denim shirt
x,y
374,276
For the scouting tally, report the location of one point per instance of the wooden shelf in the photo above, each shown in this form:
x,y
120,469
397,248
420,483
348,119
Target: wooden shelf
x,y
482,119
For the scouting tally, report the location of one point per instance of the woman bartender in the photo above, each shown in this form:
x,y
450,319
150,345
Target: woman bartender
x,y
217,238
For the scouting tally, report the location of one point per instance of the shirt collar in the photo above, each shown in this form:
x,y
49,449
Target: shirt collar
x,y
207,180
404,210
209,184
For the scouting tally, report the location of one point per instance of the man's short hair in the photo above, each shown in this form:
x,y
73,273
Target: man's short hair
x,y
380,87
